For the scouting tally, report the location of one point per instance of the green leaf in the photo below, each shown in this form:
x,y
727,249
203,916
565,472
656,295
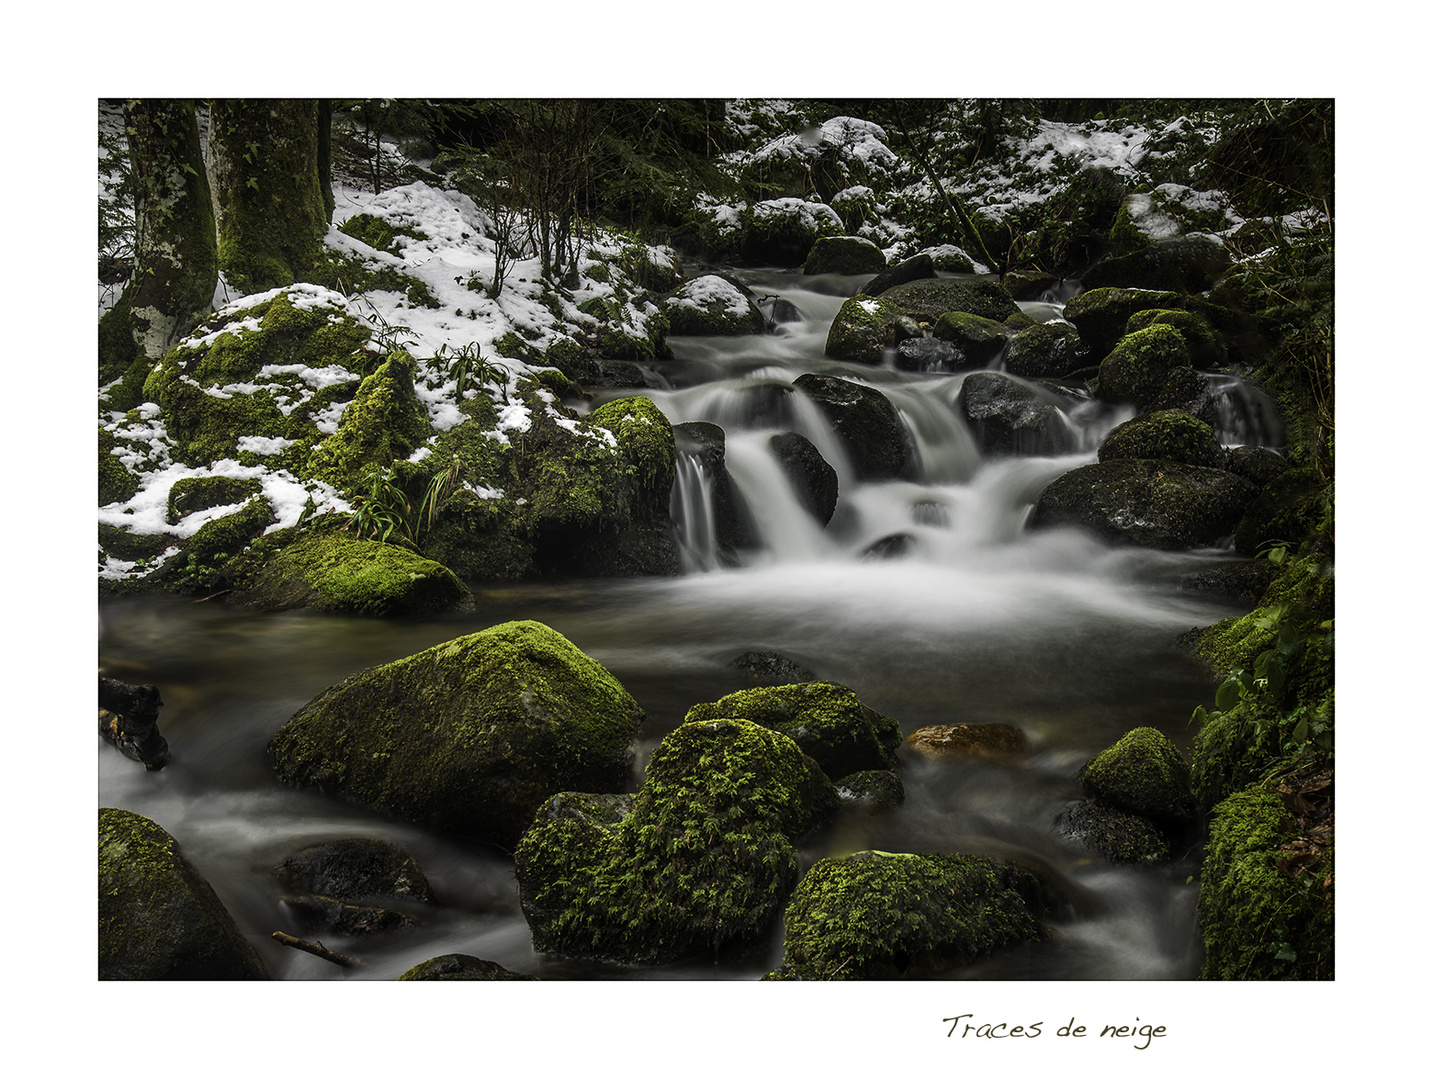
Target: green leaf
x,y
1230,694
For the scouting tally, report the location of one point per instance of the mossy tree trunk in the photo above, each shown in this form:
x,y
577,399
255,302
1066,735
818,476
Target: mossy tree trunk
x,y
263,160
175,267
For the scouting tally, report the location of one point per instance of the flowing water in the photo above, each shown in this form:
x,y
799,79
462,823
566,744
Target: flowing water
x,y
976,621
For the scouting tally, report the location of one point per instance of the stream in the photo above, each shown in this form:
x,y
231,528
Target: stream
x,y
976,621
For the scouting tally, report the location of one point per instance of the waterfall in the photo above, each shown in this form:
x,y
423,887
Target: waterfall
x,y
691,510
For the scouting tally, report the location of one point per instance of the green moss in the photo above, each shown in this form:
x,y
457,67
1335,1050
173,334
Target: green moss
x,y
826,720
158,917
1143,773
1257,922
335,572
1101,315
702,864
1207,349
471,735
384,422
1169,434
378,233
862,329
645,439
116,483
455,966
352,274
980,339
878,915
1136,369
195,493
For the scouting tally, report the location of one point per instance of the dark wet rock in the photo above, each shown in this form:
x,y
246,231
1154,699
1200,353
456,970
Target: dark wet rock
x,y
129,721
1188,264
1257,464
355,868
826,720
1009,418
980,340
158,917
1188,391
1170,435
1294,504
1120,836
1100,315
915,268
470,736
1046,351
1244,581
461,966
879,915
1142,773
865,421
704,863
784,313
735,528
812,479
1157,504
844,255
874,790
772,669
966,740
930,354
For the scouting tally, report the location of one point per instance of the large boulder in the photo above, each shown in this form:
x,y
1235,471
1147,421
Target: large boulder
x,y
712,305
158,917
844,255
826,720
1008,417
928,299
916,268
470,736
1158,504
334,571
866,423
813,480
701,864
1171,435
1189,264
781,232
1100,315
881,915
979,339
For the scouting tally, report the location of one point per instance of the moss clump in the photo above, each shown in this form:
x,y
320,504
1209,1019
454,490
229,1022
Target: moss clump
x,y
702,864
335,572
1170,434
209,550
827,721
470,736
354,274
1143,773
877,915
158,917
1101,315
1207,348
117,484
452,966
1045,351
862,330
1259,922
195,493
645,439
981,340
384,422
1138,366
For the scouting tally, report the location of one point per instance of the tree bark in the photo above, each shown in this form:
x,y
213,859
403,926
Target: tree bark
x,y
175,268
263,161
315,948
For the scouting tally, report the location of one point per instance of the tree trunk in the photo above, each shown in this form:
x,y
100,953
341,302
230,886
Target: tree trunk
x,y
263,164
175,260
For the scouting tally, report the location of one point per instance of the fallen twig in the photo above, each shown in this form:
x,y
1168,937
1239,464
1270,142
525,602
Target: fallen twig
x,y
316,949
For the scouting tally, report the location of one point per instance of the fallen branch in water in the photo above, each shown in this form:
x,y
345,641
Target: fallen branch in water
x,y
315,948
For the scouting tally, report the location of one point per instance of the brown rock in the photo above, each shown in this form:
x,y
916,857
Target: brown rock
x,y
967,740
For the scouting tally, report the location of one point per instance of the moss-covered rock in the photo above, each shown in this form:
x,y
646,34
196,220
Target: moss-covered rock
x,y
159,918
1120,836
1190,264
927,299
781,232
862,330
826,720
980,340
384,422
878,915
1259,920
1294,507
116,483
1207,346
460,966
194,493
844,255
1046,351
645,441
712,305
1143,773
874,790
1170,435
1159,504
702,865
1137,368
1167,213
865,421
1007,417
334,571
1100,315
470,736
